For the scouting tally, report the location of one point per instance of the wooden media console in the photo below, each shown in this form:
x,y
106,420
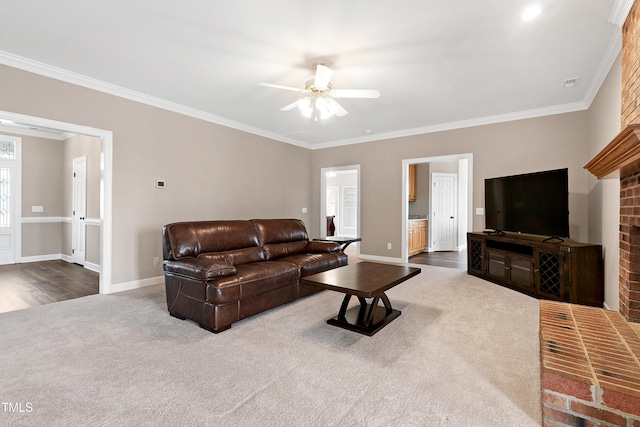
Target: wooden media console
x,y
551,269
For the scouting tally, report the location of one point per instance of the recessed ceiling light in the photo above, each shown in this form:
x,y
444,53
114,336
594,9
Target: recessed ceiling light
x,y
531,12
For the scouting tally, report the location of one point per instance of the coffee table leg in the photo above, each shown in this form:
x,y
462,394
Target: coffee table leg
x,y
363,319
386,302
368,320
343,307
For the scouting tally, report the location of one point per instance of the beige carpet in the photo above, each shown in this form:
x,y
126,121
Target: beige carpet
x,y
464,352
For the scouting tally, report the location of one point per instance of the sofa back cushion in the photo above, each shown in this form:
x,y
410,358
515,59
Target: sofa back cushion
x,y
191,239
235,257
281,237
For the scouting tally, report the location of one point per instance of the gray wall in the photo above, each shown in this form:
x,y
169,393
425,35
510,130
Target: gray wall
x,y
211,171
604,195
41,186
510,148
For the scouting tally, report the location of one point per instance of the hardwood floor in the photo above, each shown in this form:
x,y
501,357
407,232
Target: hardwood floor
x,y
441,259
37,283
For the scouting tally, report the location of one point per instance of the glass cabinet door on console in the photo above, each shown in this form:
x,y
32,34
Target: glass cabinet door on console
x,y
511,268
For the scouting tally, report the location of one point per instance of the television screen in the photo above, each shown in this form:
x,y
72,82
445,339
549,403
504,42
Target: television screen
x,y
533,203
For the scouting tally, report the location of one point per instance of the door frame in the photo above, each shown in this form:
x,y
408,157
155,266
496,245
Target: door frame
x,y
16,198
465,219
323,197
106,182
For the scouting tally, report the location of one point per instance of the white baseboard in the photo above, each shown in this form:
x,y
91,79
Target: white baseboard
x,y
136,284
38,258
606,306
53,257
380,258
93,267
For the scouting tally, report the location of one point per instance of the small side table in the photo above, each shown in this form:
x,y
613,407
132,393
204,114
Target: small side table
x,y
344,241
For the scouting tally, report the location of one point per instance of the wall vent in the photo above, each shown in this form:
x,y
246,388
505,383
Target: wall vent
x,y
302,136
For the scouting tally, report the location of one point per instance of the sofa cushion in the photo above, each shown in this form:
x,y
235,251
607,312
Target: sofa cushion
x,y
281,237
235,257
279,250
190,239
316,263
252,279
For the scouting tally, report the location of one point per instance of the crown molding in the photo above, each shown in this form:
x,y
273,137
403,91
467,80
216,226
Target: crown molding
x,y
46,70
489,120
613,50
620,11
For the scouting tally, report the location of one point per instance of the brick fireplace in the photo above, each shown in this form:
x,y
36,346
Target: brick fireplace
x,y
590,357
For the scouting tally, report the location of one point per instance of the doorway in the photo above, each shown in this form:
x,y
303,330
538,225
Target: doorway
x,y
106,150
340,201
460,199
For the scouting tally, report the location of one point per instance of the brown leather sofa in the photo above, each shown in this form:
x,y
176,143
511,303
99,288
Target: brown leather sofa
x,y
218,272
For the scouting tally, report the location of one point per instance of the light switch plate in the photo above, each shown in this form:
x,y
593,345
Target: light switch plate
x,y
479,211
37,208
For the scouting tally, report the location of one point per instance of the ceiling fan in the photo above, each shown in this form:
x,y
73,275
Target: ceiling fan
x,y
319,96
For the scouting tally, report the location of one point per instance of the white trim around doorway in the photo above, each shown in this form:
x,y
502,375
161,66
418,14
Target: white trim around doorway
x,y
106,177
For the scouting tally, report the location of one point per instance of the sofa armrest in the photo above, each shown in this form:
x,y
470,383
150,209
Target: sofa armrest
x,y
314,246
199,269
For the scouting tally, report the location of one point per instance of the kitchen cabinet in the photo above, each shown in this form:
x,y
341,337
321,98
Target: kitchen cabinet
x,y
417,239
412,183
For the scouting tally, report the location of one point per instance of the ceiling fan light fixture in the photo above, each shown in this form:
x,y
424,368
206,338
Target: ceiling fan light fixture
x,y
327,107
306,106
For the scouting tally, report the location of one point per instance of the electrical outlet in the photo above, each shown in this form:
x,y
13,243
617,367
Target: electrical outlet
x,y
388,245
156,260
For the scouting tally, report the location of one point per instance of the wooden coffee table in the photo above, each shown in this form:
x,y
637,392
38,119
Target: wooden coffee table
x,y
363,280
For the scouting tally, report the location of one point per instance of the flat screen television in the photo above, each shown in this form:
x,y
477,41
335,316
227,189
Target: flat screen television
x,y
532,203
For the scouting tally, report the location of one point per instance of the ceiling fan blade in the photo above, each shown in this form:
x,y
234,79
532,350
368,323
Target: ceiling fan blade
x,y
294,89
323,77
355,93
290,106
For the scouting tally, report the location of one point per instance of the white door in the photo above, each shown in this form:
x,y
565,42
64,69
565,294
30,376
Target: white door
x,y
443,203
349,212
79,211
10,213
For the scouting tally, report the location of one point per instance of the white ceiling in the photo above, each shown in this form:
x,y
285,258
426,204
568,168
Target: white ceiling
x,y
438,64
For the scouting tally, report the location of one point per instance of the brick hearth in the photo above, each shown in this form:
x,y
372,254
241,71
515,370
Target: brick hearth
x,y
590,365
590,356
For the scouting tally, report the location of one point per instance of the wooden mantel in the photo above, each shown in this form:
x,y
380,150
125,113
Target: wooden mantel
x,y
620,158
